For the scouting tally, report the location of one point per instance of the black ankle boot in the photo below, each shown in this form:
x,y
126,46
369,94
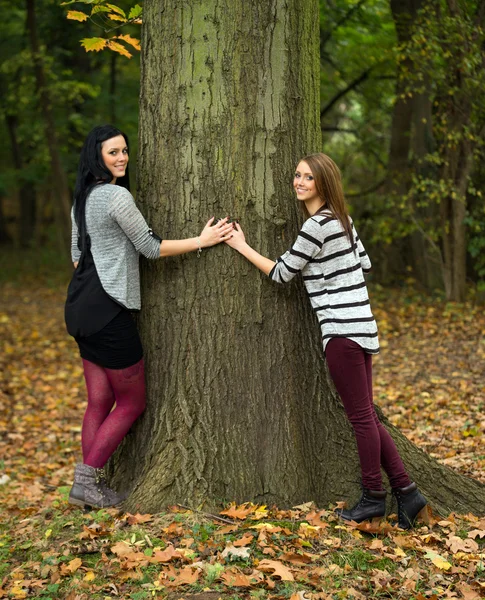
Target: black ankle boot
x,y
372,504
409,502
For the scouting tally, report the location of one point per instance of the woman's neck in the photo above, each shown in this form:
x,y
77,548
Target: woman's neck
x,y
314,205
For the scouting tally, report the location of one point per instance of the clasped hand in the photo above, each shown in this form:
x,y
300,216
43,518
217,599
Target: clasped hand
x,y
222,231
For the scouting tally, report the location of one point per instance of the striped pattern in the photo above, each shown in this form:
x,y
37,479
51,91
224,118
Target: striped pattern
x,y
333,273
119,234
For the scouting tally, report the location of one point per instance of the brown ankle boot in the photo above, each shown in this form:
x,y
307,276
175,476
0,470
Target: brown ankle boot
x,y
88,490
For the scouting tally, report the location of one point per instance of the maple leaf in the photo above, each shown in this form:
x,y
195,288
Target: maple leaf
x,y
277,568
186,576
476,533
238,512
456,544
138,518
71,567
297,559
166,555
94,44
76,15
130,40
244,541
233,578
121,548
118,48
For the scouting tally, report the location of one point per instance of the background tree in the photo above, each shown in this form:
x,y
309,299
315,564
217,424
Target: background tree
x,y
239,405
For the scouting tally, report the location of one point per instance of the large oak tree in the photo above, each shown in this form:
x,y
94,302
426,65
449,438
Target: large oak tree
x,y
240,406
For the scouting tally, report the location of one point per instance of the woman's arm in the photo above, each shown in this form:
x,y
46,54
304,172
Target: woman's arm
x,y
307,245
238,242
125,212
209,236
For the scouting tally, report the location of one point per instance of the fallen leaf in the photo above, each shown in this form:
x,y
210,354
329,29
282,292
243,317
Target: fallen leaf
x,y
277,569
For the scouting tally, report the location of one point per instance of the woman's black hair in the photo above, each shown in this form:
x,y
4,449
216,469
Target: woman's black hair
x,y
92,170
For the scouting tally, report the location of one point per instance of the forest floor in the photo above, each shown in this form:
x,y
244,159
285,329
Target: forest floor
x,y
428,380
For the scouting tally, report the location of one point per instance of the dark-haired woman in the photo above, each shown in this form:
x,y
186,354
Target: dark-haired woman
x,y
108,235
332,260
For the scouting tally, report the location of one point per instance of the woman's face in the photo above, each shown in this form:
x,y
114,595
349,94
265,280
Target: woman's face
x,y
304,183
115,156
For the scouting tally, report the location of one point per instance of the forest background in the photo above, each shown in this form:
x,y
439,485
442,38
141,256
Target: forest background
x,y
402,113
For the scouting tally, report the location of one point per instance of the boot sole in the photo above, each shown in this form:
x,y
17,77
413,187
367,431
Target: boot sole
x,y
81,503
375,520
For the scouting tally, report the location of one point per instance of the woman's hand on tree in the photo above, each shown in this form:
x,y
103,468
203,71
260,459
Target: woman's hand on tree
x,y
215,234
237,239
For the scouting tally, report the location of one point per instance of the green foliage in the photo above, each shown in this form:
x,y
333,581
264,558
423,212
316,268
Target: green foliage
x,y
108,17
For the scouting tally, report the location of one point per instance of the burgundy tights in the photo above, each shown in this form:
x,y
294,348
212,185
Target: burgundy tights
x,y
103,429
351,371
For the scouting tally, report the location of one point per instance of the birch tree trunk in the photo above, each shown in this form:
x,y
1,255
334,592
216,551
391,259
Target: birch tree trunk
x,y
239,403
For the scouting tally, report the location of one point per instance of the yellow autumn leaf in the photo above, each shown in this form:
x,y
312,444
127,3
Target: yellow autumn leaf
x,y
118,48
74,565
48,533
115,17
90,576
94,44
130,40
18,592
76,15
438,560
116,9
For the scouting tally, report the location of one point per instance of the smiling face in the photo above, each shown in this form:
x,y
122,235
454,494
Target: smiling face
x,y
115,156
304,183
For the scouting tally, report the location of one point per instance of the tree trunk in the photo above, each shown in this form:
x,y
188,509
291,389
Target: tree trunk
x,y
27,195
239,402
4,235
453,212
62,202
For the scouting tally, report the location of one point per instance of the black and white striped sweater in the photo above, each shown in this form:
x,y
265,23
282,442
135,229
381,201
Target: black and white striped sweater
x,y
333,273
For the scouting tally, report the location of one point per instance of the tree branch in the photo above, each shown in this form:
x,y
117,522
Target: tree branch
x,y
340,130
325,36
362,77
368,191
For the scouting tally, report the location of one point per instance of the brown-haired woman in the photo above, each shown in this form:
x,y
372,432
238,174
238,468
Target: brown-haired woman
x,y
332,261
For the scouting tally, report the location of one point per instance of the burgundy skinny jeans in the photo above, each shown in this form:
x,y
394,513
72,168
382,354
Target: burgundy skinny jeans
x,y
351,370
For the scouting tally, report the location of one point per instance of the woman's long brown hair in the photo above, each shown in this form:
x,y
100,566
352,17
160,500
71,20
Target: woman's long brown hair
x,y
328,182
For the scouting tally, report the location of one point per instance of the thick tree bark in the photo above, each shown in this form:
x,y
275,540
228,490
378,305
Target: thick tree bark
x,y
239,402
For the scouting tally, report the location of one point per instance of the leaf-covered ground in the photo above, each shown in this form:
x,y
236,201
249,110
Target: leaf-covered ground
x,y
429,381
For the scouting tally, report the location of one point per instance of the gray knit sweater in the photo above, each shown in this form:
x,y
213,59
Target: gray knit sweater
x,y
333,274
119,234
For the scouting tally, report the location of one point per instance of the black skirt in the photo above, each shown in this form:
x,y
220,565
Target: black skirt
x,y
116,346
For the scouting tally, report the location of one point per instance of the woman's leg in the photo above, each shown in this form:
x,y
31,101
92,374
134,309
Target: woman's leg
x,y
100,402
128,386
347,365
390,459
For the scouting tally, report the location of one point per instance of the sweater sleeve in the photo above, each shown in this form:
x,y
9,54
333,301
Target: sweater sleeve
x,y
307,245
75,252
364,257
125,212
